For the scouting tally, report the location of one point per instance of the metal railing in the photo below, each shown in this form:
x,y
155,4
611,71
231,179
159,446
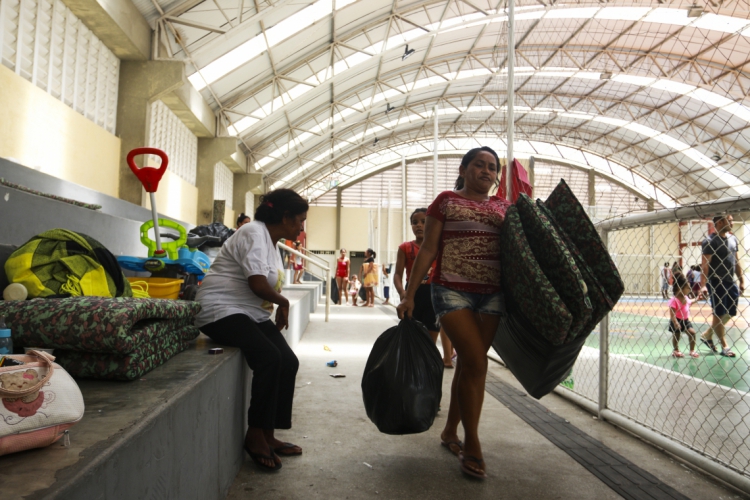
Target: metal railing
x,y
632,371
316,261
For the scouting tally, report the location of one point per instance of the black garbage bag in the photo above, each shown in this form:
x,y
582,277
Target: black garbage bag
x,y
213,229
402,383
362,293
537,363
334,291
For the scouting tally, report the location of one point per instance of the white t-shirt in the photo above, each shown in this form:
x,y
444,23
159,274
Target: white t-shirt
x,y
225,291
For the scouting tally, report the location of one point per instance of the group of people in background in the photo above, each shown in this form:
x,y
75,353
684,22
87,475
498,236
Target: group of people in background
x,y
350,286
715,279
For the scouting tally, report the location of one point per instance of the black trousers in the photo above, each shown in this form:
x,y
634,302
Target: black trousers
x,y
274,366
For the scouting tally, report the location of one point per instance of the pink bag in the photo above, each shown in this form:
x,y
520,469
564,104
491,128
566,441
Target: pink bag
x,y
39,401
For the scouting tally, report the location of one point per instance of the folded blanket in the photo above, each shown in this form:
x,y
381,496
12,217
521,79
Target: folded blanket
x,y
131,366
97,324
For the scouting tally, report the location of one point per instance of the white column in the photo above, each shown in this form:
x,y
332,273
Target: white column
x,y
511,96
404,214
388,227
435,157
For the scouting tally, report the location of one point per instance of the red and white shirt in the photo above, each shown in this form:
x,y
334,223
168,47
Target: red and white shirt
x,y
411,249
469,252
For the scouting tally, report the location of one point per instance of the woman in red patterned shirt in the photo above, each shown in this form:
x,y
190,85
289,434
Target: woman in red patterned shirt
x,y
462,231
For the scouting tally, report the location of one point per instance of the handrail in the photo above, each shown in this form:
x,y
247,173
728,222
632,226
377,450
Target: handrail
x,y
314,256
322,266
697,211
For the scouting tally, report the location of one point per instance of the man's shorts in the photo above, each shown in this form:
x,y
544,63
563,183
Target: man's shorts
x,y
724,295
664,285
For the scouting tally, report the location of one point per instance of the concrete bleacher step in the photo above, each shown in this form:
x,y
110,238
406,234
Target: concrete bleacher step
x,y
176,433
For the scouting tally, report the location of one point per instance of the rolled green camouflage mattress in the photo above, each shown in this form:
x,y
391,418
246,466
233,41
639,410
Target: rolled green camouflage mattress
x,y
572,218
96,324
131,366
600,302
556,261
526,284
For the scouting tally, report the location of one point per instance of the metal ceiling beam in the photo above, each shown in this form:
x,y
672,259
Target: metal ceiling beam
x,y
194,24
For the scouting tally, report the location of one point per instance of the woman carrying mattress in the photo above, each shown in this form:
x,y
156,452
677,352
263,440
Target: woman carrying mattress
x,y
237,298
462,231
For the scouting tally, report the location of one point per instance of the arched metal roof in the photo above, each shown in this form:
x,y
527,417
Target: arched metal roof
x,y
320,90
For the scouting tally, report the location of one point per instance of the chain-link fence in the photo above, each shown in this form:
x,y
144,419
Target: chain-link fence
x,y
673,355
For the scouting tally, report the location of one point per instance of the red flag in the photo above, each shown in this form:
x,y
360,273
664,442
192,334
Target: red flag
x,y
520,182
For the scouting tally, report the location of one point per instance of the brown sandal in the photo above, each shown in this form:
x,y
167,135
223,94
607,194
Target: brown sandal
x,y
477,473
451,444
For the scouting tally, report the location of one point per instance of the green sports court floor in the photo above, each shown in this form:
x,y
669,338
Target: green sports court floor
x,y
644,337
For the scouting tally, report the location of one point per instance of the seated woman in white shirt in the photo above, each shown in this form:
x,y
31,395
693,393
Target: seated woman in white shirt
x,y
237,298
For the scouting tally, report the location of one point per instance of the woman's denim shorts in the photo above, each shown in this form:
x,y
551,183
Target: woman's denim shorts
x,y
446,300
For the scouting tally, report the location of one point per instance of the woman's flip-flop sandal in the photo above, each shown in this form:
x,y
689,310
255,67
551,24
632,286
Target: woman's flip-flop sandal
x,y
479,474
727,353
451,444
257,458
284,450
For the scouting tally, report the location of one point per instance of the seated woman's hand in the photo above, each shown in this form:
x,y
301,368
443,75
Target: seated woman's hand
x,y
405,308
282,316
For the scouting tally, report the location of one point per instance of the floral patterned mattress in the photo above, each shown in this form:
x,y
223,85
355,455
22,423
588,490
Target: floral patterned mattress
x,y
109,338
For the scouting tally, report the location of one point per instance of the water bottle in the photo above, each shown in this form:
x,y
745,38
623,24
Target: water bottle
x,y
6,342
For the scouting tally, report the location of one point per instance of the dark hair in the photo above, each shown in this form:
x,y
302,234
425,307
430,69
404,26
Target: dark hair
x,y
719,218
470,156
417,211
666,263
680,282
275,205
241,218
371,252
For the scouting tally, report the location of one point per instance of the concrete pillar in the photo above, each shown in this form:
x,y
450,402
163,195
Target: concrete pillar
x,y
210,152
118,24
141,83
243,184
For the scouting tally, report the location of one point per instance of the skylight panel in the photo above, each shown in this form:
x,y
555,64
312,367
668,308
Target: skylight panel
x,y
241,125
229,61
622,13
738,110
523,16
642,129
298,21
576,13
641,81
671,142
340,4
726,24
711,98
610,121
669,16
672,86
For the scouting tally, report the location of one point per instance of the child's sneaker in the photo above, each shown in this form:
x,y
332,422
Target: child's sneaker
x,y
694,354
677,354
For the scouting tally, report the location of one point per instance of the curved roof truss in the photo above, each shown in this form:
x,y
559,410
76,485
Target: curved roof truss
x,y
309,87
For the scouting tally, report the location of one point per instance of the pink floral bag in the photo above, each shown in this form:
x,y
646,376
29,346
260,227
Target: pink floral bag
x,y
39,401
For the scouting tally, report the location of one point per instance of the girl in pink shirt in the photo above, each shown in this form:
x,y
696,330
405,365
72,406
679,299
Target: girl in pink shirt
x,y
679,316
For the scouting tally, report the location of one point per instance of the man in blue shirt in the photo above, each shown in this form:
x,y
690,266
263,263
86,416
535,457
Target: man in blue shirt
x,y
720,265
